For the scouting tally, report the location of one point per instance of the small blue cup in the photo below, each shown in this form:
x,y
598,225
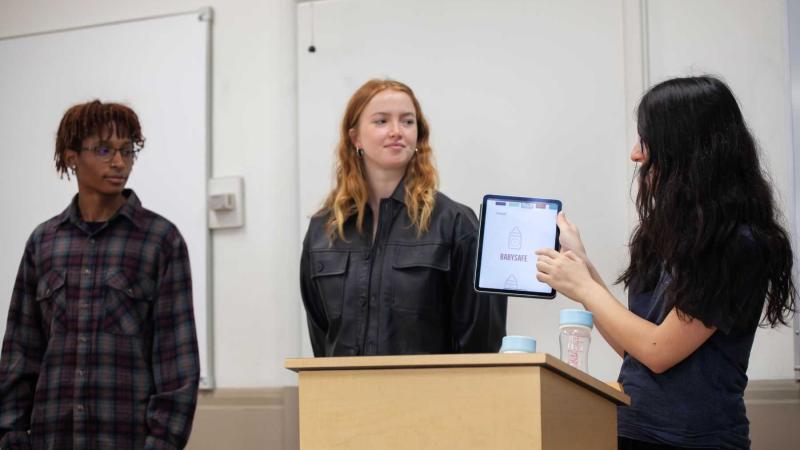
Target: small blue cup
x,y
518,344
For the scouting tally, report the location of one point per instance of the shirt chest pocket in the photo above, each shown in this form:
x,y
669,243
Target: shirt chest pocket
x,y
51,300
329,271
127,303
419,281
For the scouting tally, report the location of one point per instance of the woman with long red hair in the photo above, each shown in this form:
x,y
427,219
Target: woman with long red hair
x,y
388,260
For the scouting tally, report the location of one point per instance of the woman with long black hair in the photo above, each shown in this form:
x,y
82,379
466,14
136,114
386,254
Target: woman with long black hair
x,y
708,256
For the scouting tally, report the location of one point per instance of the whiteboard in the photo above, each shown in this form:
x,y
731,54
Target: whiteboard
x,y
524,97
158,66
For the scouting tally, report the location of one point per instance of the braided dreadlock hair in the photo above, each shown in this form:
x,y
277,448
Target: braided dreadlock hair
x,y
95,117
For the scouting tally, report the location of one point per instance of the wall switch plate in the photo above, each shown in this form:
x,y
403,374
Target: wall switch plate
x,y
222,202
225,202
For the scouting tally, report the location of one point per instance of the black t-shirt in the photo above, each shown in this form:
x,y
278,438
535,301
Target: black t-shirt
x,y
699,401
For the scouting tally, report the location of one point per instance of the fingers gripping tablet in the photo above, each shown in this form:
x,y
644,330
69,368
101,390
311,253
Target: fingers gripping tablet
x,y
511,230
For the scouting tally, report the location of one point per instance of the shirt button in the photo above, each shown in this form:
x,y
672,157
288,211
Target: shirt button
x,y
320,267
79,408
82,339
81,372
91,241
47,292
87,271
129,291
84,304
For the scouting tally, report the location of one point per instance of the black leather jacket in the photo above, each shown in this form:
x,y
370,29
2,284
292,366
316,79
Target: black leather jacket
x,y
400,294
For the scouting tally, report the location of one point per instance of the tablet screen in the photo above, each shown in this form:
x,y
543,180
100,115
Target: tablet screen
x,y
512,229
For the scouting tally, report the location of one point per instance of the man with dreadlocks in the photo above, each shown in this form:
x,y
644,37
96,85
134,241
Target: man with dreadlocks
x,y
100,351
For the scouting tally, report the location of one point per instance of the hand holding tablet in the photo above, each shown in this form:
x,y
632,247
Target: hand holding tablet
x,y
511,230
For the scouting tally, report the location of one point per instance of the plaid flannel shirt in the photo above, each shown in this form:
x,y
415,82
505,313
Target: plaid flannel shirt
x,y
100,350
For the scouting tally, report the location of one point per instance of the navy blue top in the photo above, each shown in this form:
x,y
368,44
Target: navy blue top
x,y
699,401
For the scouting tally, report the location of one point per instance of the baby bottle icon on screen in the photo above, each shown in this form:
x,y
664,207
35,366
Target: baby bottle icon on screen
x,y
515,239
511,283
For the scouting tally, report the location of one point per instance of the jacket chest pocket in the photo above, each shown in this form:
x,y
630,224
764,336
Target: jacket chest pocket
x,y
419,279
329,271
51,299
127,303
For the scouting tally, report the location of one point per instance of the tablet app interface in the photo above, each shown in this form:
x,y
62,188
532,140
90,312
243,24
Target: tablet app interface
x,y
513,231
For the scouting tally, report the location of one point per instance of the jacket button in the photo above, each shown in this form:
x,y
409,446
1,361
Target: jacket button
x,y
320,267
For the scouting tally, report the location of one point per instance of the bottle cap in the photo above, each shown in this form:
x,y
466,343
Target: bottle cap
x,y
576,317
518,344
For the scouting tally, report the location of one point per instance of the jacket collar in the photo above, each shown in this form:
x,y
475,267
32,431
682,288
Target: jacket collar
x,y
399,193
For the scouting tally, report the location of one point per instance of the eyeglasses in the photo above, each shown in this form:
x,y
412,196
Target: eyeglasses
x,y
106,153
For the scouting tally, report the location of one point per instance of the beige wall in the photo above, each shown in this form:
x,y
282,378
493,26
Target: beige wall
x,y
246,419
773,407
266,419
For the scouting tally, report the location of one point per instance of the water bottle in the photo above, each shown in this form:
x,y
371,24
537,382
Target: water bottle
x,y
575,334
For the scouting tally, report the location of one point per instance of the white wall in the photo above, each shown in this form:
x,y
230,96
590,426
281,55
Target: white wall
x,y
538,110
744,42
508,113
255,311
256,300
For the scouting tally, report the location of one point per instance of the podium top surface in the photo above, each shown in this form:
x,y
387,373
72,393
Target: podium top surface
x,y
545,360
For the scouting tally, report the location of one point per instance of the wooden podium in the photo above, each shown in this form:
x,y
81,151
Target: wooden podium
x,y
478,401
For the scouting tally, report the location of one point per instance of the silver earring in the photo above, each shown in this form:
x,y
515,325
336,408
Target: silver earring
x,y
360,152
416,150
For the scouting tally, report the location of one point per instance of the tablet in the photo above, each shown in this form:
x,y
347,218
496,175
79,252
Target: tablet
x,y
511,230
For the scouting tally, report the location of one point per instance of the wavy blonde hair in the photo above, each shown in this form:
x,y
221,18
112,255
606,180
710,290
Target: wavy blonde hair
x,y
350,195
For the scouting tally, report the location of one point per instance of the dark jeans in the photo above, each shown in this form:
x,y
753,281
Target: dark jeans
x,y
624,443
